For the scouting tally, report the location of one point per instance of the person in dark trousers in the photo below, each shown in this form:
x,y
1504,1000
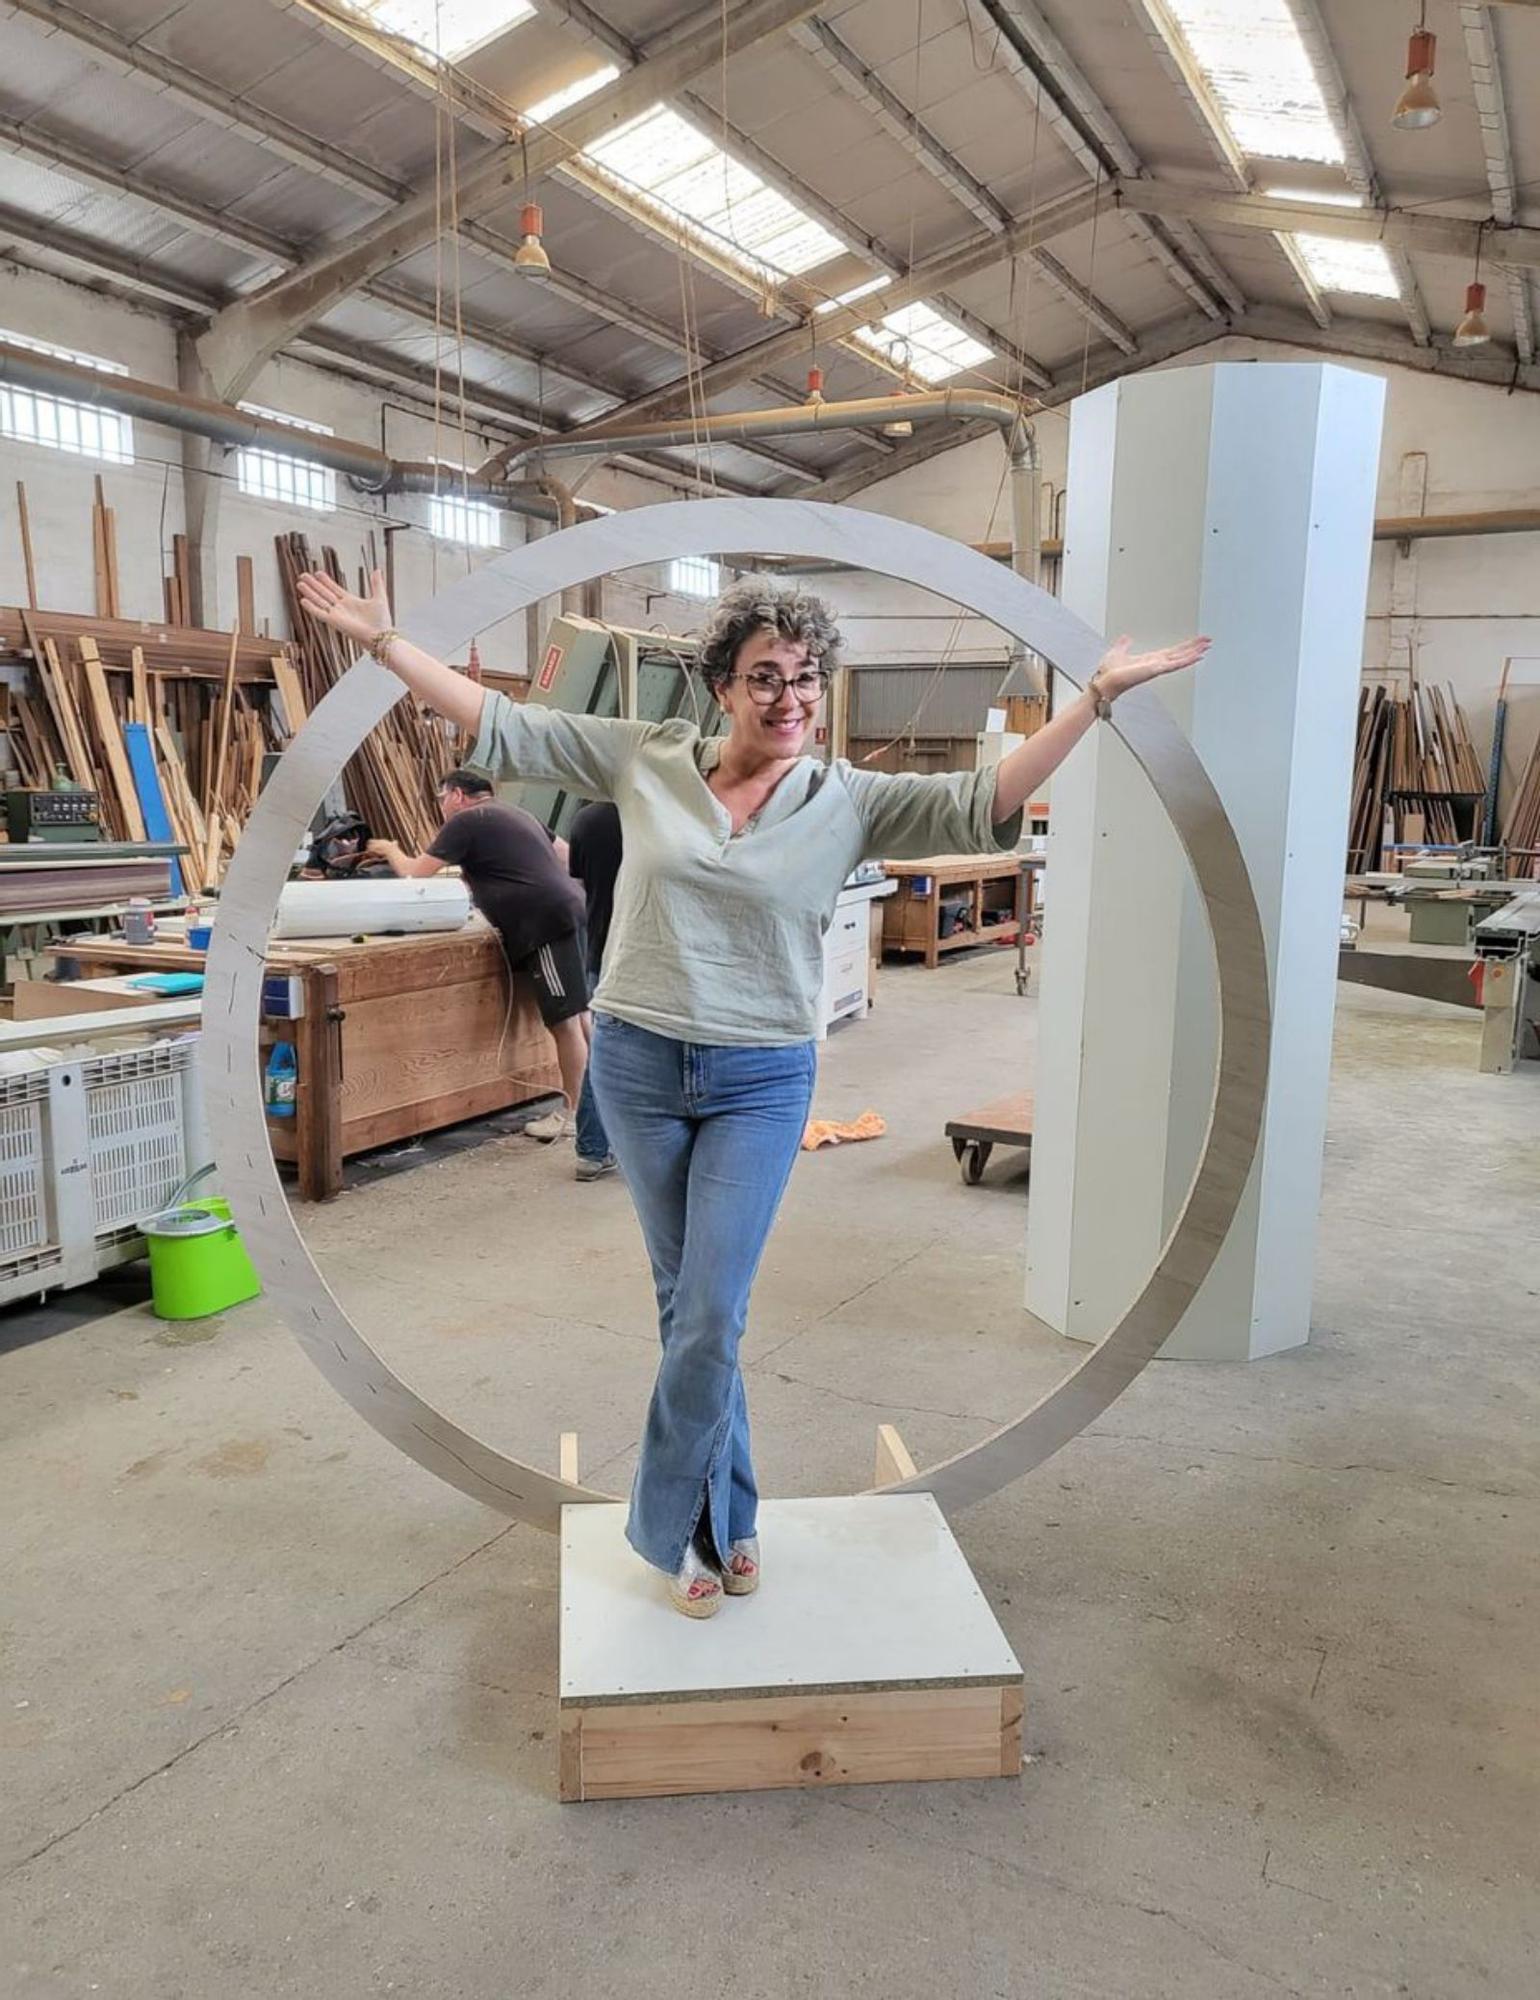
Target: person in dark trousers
x,y
593,855
517,879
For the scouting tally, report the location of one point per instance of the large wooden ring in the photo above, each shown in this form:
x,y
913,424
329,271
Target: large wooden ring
x,y
650,535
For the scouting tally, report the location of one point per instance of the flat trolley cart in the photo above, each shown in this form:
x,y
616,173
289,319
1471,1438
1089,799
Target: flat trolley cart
x,y
1005,1122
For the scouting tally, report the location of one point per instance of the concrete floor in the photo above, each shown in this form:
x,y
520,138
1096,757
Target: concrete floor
x,y
278,1710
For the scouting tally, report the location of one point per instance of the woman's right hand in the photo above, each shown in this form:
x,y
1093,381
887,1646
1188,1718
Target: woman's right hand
x,y
361,619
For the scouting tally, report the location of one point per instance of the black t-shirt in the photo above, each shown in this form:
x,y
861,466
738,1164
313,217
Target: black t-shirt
x,y
594,845
512,872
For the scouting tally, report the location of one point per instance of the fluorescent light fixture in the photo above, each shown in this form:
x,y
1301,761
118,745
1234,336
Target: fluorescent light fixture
x,y
563,100
670,166
447,28
1259,75
860,291
922,342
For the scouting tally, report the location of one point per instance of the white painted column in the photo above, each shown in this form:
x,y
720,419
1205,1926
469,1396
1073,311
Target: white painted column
x,y
1235,499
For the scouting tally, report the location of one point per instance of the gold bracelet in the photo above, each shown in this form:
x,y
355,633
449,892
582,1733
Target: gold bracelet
x,y
379,645
1103,701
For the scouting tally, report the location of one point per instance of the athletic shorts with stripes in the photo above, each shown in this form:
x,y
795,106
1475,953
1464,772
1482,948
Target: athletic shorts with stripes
x,y
559,976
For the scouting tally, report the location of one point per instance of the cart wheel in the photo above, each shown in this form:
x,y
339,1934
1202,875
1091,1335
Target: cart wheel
x,y
1023,979
959,1147
975,1163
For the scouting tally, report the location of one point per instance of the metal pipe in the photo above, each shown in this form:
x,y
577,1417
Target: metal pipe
x,y
366,466
795,420
566,517
1434,527
373,471
1026,544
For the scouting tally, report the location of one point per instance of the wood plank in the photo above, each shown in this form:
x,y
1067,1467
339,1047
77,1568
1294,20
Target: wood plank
x,y
181,565
214,796
50,999
286,680
61,701
1006,1121
110,736
245,597
657,1749
893,1460
318,1098
28,566
567,1457
139,710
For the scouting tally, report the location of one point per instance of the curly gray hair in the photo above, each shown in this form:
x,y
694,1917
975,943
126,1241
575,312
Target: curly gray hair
x,y
757,605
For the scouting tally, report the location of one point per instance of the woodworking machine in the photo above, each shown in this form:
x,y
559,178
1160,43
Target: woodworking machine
x,y
1508,948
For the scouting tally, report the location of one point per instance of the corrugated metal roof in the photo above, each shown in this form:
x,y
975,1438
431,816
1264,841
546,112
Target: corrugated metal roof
x,y
367,120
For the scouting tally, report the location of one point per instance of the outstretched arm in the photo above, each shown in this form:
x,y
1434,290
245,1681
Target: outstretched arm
x,y
364,619
402,863
1020,774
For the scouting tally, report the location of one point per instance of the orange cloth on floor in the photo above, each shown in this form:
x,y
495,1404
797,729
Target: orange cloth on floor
x,y
831,1132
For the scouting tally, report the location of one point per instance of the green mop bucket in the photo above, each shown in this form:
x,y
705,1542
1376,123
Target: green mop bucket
x,y
198,1263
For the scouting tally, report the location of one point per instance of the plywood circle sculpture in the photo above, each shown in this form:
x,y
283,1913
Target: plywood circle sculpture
x,y
790,528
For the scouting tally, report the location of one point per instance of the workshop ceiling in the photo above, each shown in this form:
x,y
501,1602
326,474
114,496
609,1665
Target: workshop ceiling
x,y
197,154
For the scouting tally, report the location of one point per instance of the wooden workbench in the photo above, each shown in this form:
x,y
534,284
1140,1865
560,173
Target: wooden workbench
x,y
911,918
398,1036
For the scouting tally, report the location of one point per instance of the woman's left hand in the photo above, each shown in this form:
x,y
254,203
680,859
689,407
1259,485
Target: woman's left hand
x,y
1120,670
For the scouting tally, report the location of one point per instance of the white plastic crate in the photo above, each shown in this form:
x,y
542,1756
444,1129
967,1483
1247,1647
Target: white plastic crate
x,y
138,1154
23,1187
90,1149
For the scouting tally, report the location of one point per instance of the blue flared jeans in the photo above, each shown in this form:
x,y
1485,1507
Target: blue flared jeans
x,y
706,1137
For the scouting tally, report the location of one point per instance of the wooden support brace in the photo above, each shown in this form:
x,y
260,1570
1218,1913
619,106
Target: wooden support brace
x,y
26,545
567,1458
893,1460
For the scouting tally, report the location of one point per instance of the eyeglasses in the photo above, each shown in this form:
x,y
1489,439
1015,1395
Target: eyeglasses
x,y
765,687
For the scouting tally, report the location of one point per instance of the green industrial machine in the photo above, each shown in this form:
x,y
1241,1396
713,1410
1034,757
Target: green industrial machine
x,y
61,816
590,668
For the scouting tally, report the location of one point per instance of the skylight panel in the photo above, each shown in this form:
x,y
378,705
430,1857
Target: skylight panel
x,y
1334,263
675,169
563,100
1338,265
447,28
1260,76
860,291
921,341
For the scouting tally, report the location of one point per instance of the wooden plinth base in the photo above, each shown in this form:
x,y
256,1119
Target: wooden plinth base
x,y
868,1656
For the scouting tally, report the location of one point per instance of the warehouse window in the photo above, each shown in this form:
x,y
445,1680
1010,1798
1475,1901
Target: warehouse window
x,y
695,576
58,422
662,160
574,93
1259,75
289,478
1335,263
471,523
448,28
918,340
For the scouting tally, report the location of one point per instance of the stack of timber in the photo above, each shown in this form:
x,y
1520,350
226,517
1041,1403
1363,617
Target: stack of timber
x,y
205,699
392,780
1521,829
1416,776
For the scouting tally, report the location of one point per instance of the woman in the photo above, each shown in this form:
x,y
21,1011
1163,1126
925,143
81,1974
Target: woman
x,y
703,1053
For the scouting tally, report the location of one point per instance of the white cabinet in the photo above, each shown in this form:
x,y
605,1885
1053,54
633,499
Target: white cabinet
x,y
846,991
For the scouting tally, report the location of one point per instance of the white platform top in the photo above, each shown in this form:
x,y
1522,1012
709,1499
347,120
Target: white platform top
x,y
864,1592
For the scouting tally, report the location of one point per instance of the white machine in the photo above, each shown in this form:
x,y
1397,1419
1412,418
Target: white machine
x,y
392,905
